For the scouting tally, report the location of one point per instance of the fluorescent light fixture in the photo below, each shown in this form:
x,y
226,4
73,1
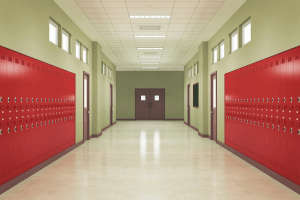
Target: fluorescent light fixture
x,y
149,67
151,16
150,48
156,36
150,63
149,56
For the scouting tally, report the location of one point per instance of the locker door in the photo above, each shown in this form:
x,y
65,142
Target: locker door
x,y
296,143
3,113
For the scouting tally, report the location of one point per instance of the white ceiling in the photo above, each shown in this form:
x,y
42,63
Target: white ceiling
x,y
191,22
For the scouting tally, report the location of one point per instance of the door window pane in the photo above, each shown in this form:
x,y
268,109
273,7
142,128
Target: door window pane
x,y
85,93
214,93
143,97
156,97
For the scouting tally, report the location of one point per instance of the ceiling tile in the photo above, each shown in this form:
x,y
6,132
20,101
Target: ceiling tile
x,y
198,21
110,4
149,4
179,4
93,16
90,4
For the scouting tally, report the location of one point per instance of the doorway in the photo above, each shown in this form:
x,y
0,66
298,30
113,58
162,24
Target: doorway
x,y
213,105
86,106
111,104
149,104
188,104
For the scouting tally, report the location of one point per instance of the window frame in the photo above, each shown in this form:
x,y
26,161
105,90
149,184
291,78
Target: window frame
x,y
196,68
64,32
235,32
215,57
103,68
56,25
86,54
79,44
248,21
220,44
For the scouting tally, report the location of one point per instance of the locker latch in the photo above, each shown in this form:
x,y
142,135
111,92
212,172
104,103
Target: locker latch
x,y
291,99
37,100
21,128
272,126
257,123
278,99
27,126
254,123
0,131
262,124
45,123
15,129
32,100
272,100
278,127
268,100
284,99
15,99
41,123
267,125
1,99
8,130
298,99
298,131
21,100
31,125
284,129
27,100
8,99
291,130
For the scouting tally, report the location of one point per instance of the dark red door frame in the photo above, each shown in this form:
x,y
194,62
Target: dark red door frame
x,y
211,107
188,104
88,106
111,104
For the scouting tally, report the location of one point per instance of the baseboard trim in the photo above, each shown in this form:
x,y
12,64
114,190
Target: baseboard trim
x,y
30,172
108,127
173,119
202,135
98,135
125,119
293,186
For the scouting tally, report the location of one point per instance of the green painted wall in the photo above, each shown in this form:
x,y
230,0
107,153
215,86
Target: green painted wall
x,y
198,117
275,28
128,81
25,29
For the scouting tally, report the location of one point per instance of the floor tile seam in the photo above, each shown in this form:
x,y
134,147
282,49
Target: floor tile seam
x,y
124,173
177,175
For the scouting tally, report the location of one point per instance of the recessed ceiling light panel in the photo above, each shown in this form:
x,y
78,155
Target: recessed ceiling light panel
x,y
149,56
149,67
150,16
149,48
150,36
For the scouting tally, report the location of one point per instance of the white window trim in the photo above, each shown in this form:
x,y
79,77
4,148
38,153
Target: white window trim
x,y
77,43
243,26
231,36
56,26
196,68
68,38
222,43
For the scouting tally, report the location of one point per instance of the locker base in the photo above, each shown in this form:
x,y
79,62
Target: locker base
x,y
22,177
293,186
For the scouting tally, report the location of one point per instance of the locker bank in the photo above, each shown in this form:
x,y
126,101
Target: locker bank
x,y
129,99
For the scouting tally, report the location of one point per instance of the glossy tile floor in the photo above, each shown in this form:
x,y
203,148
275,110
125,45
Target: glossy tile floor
x,y
150,160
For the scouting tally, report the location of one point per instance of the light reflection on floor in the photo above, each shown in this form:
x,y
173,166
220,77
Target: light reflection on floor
x,y
150,160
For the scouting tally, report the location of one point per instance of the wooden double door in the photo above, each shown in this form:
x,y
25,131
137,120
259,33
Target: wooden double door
x,y
149,104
